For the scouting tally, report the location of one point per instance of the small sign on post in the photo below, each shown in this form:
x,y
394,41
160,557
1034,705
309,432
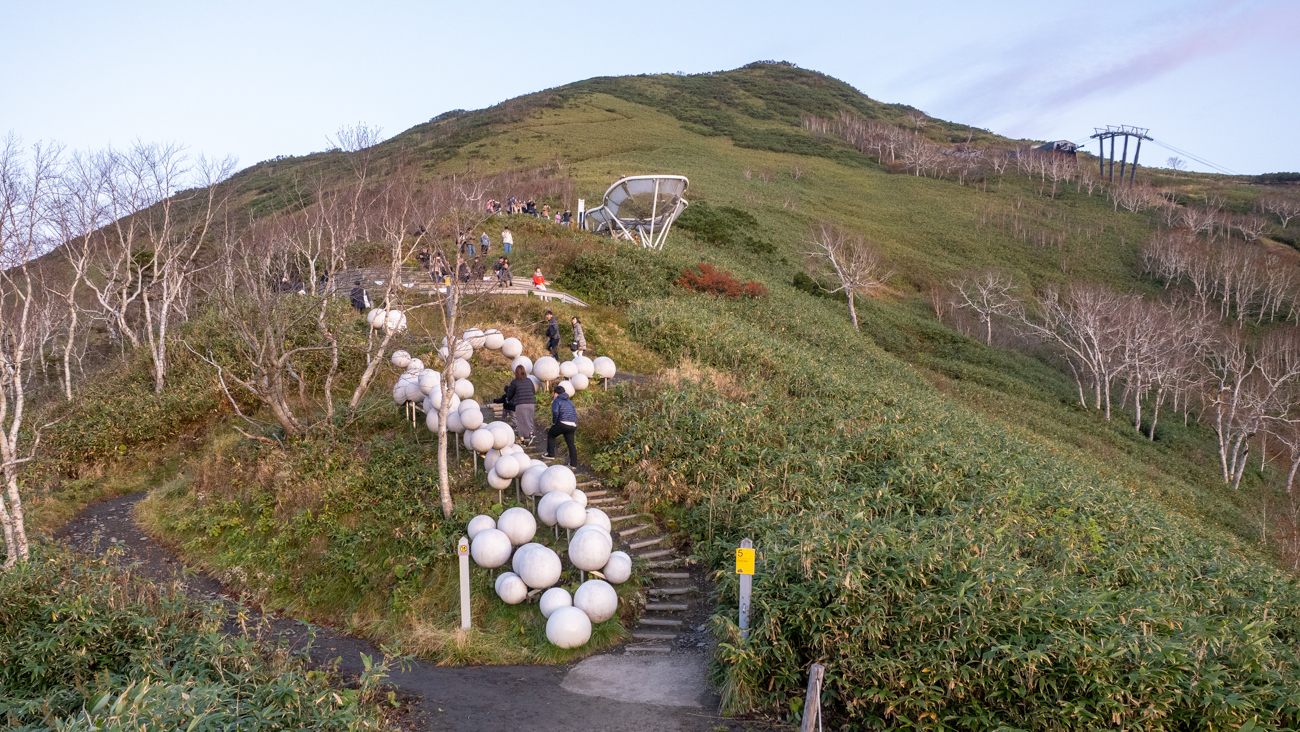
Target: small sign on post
x,y
745,568
462,555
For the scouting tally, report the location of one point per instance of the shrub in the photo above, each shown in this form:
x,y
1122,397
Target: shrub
x,y
725,226
616,275
710,280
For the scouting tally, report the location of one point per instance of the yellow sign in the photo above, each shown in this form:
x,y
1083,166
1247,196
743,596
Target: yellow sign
x,y
462,548
744,561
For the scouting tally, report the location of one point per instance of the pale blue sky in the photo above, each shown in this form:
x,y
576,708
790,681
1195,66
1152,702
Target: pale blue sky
x,y
259,79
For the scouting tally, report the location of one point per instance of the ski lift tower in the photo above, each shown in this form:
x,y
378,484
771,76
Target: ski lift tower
x,y
1110,132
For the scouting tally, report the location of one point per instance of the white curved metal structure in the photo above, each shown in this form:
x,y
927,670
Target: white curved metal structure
x,y
640,208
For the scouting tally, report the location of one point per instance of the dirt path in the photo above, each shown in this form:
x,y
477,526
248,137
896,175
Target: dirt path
x,y
466,698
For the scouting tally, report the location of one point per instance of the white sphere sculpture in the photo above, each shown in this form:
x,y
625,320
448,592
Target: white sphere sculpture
x,y
432,420
598,518
597,599
471,418
618,569
463,349
474,337
479,523
443,353
415,366
554,599
493,339
568,388
507,466
530,479
595,529
490,458
546,368
589,550
400,359
496,481
402,390
549,504
502,434
490,548
604,367
511,347
454,424
511,589
518,524
460,368
482,441
580,381
568,369
464,388
570,515
468,404
518,361
558,479
468,439
568,627
429,380
376,318
537,383
579,497
538,566
585,366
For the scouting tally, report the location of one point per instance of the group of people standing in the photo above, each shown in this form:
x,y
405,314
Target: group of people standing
x,y
520,397
519,206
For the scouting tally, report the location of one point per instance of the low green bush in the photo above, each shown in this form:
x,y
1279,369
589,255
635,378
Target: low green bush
x,y
617,275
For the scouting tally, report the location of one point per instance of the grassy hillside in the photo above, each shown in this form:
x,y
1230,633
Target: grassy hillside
x,y
936,520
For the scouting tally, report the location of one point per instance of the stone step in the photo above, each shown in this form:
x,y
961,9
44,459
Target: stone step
x,y
656,554
604,501
634,530
596,494
671,590
646,542
666,607
673,562
653,635
648,648
616,519
665,622
593,482
671,575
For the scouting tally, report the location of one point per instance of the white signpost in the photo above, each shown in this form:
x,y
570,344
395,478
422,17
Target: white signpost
x,y
462,555
745,568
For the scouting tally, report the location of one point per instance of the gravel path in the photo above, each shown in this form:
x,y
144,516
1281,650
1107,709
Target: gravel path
x,y
464,698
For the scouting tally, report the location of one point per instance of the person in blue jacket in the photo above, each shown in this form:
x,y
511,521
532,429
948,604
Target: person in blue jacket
x,y
564,421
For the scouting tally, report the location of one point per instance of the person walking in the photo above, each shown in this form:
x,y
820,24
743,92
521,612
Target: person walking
x,y
579,343
360,300
552,335
485,242
564,421
520,397
507,240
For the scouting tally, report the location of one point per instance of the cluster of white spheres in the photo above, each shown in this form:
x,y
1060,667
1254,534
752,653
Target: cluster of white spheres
x,y
389,320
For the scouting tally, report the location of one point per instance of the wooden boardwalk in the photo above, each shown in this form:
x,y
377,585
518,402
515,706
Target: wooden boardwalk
x,y
417,281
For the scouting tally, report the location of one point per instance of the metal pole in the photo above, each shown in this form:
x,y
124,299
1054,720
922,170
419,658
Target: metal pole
x,y
1110,170
462,553
746,583
1101,158
1134,168
1123,159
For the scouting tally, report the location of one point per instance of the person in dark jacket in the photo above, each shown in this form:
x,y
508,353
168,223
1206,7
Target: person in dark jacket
x,y
360,300
564,421
521,398
552,335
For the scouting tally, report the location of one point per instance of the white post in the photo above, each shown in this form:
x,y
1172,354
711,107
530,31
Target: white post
x,y
462,553
745,568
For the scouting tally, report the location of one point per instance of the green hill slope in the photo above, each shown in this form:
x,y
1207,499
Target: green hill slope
x,y
936,520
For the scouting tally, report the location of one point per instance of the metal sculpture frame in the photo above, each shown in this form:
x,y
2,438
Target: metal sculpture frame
x,y
650,232
1110,132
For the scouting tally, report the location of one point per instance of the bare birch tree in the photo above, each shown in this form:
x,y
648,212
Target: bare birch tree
x,y
856,266
989,294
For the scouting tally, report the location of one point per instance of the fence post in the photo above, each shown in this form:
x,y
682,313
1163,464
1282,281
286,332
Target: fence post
x,y
745,568
462,554
812,701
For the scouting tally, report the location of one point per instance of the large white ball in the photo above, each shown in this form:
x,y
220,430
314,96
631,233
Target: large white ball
x,y
568,388
589,550
570,515
604,367
511,347
554,599
597,599
511,588
482,441
490,548
471,418
558,478
479,523
460,369
518,524
579,497
568,369
546,368
618,569
490,458
474,337
400,359
463,350
585,366
493,339
568,627
406,390
529,481
595,529
376,318
539,566
597,517
415,366
549,504
395,320
507,466
580,382
524,361
468,404
430,380
468,439
537,383
502,434
496,481
432,420
464,388
454,424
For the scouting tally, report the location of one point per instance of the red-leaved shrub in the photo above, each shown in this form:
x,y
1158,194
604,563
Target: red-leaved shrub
x,y
706,278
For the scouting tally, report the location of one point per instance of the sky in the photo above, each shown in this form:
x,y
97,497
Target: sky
x,y
1217,80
